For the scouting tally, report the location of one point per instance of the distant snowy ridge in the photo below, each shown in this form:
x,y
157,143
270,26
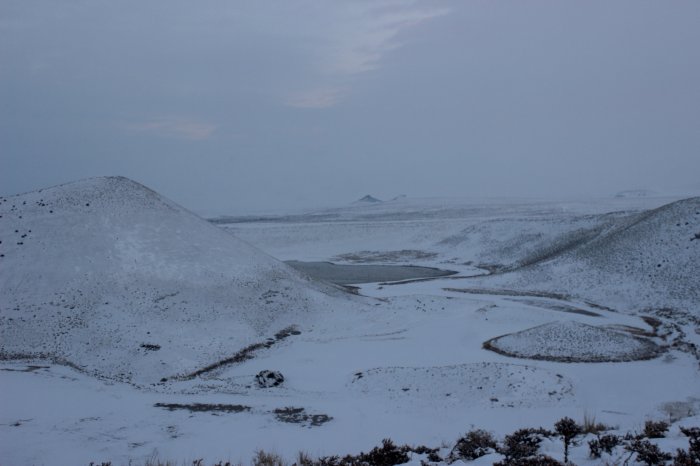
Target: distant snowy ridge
x,y
636,193
108,275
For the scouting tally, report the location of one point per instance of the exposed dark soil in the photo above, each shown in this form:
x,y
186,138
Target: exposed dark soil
x,y
300,416
26,369
203,407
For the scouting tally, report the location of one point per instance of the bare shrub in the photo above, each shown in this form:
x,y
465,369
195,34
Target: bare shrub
x,y
605,443
567,430
537,460
155,461
683,458
693,454
263,458
386,455
523,443
304,459
590,426
648,453
654,429
473,445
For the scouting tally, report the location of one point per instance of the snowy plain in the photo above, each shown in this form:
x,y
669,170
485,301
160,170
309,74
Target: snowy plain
x,y
403,360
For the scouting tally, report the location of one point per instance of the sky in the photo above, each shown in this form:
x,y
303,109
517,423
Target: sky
x,y
251,106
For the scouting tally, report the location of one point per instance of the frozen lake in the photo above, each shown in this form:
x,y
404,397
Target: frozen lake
x,y
355,274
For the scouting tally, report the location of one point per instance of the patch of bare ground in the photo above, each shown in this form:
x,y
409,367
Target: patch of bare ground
x,y
204,407
300,416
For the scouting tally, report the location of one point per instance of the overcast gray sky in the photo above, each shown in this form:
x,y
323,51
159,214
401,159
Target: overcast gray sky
x,y
238,106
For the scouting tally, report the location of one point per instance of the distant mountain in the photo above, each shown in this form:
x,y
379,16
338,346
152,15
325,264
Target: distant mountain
x,y
368,199
109,276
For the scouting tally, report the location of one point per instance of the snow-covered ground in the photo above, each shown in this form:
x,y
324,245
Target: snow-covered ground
x,y
405,361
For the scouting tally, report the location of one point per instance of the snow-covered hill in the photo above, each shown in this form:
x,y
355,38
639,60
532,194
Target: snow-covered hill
x,y
644,260
109,276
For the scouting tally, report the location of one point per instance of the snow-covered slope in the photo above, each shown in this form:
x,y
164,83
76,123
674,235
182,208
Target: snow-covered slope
x,y
108,275
645,260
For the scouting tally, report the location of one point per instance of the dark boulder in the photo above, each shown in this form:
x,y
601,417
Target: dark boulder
x,y
266,379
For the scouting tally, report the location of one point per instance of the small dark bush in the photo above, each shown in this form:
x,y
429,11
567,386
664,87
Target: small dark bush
x,y
523,443
263,458
537,460
386,455
693,434
648,453
150,347
653,429
567,430
591,426
473,445
304,459
605,443
683,458
422,450
328,461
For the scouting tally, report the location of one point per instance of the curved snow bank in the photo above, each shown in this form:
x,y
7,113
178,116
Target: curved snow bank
x,y
112,277
572,341
494,384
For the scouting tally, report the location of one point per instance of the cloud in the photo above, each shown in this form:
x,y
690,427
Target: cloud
x,y
356,37
316,98
360,46
176,127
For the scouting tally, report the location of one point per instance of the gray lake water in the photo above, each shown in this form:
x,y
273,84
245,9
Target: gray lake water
x,y
355,274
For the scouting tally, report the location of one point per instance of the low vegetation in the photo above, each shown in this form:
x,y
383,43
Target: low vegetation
x,y
568,430
521,448
591,426
655,429
603,444
473,445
